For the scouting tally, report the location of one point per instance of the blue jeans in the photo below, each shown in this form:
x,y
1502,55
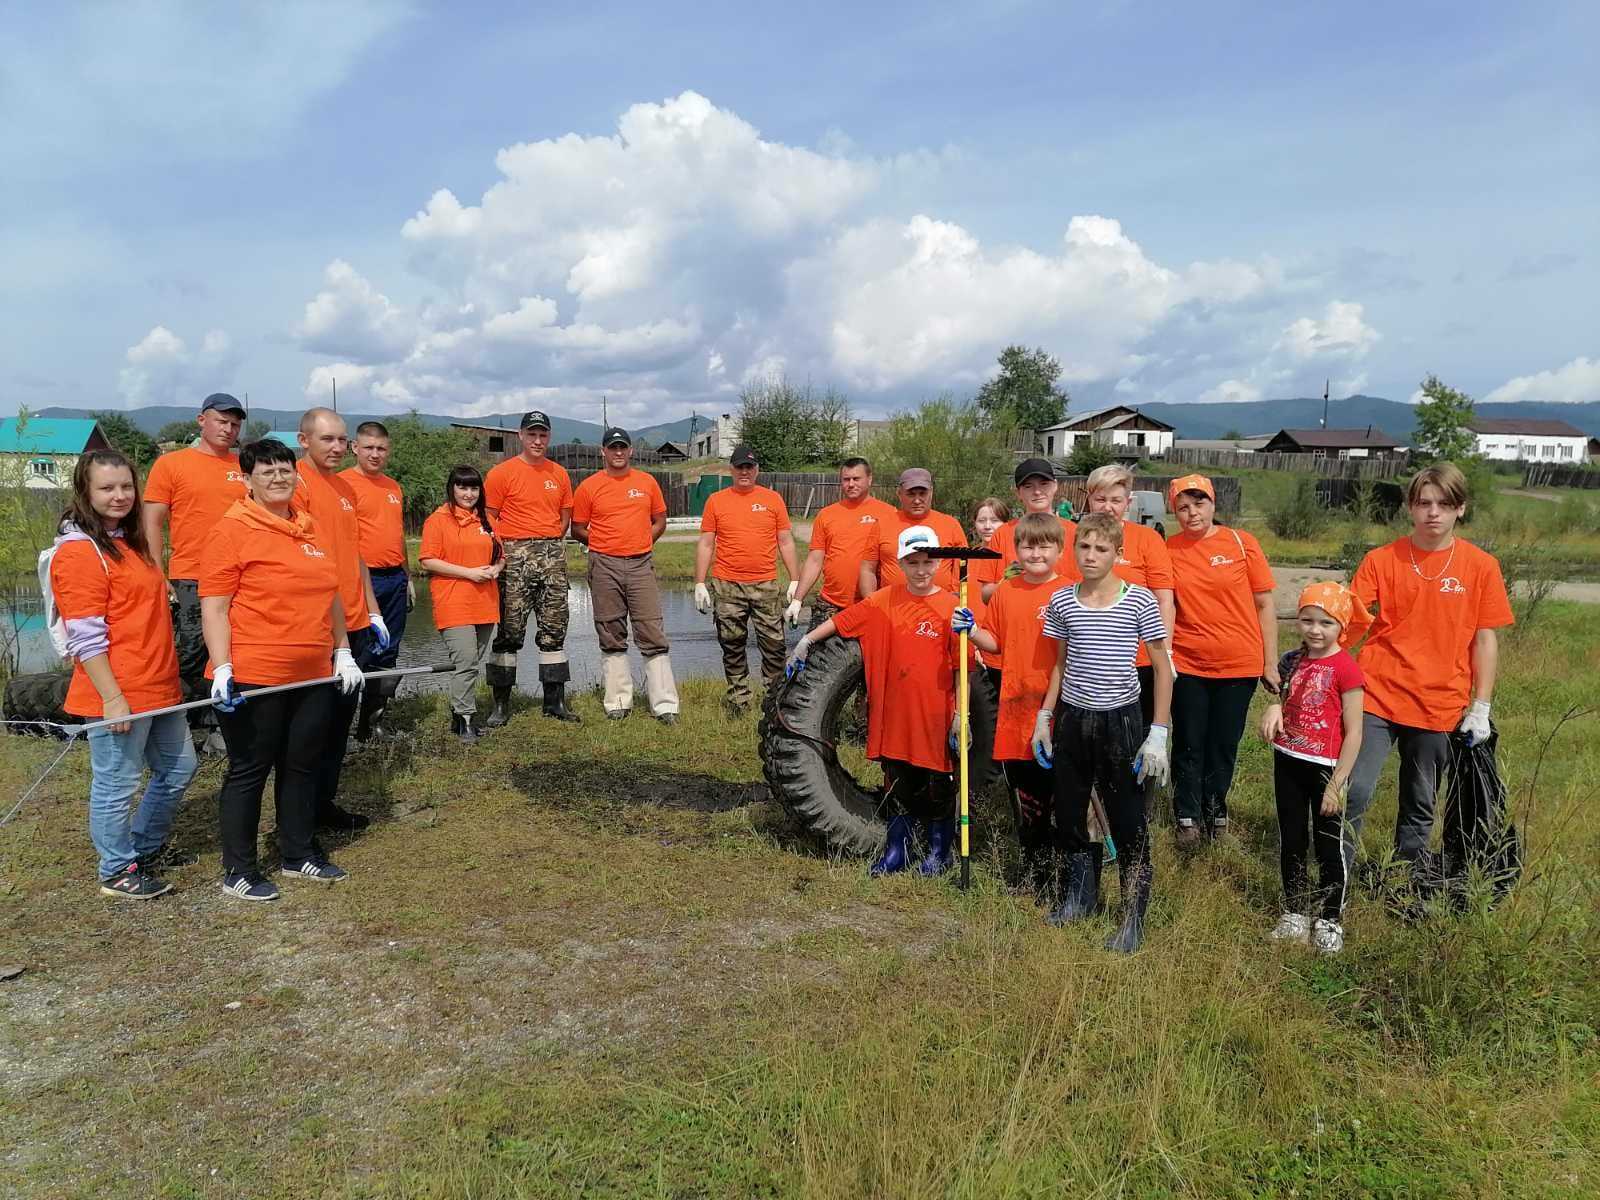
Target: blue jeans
x,y
118,761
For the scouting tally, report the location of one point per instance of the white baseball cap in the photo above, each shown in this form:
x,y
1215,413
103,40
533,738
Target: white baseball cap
x,y
916,539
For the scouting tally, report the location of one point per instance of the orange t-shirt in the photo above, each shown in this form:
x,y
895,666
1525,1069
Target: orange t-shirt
x,y
1144,560
197,489
618,511
282,578
380,518
528,496
911,658
332,505
945,527
747,525
1417,658
1217,633
1015,618
458,537
847,532
131,595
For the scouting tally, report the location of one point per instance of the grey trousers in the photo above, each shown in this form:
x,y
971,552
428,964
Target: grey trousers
x,y
1423,756
467,645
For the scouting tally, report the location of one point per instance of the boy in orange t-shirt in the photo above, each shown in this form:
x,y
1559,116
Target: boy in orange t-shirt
x,y
911,649
1429,661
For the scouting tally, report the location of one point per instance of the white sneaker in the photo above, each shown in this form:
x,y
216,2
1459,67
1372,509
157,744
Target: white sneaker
x,y
1291,927
1327,937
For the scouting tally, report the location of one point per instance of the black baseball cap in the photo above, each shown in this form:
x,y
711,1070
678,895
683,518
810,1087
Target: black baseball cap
x,y
616,436
743,456
1029,467
222,402
535,420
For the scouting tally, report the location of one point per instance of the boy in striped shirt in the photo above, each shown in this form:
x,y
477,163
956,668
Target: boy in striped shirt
x,y
1098,625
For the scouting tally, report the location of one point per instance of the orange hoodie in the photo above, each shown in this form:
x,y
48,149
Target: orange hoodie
x,y
282,578
456,536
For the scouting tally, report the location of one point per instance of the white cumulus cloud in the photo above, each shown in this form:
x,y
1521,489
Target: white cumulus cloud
x,y
1577,381
1341,332
162,369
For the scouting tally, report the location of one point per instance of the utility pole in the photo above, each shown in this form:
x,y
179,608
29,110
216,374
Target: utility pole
x,y
1325,384
336,395
605,414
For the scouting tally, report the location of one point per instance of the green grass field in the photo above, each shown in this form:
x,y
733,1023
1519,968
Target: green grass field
x,y
600,962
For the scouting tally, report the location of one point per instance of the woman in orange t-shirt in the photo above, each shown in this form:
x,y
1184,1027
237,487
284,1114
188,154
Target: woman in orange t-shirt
x,y
462,555
269,602
112,599
1224,639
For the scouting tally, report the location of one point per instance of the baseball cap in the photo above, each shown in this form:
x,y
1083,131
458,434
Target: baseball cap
x,y
1189,483
535,420
915,477
616,436
743,456
915,539
1029,467
222,402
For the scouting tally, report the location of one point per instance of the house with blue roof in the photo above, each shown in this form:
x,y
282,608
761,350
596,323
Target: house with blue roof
x,y
41,452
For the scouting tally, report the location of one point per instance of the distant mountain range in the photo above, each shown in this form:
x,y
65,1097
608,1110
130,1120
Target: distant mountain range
x,y
1192,420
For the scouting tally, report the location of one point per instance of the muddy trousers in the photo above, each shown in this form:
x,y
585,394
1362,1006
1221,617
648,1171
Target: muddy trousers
x,y
1424,754
1208,717
533,586
1297,787
281,733
917,792
1094,752
467,645
735,607
623,591
192,653
1032,790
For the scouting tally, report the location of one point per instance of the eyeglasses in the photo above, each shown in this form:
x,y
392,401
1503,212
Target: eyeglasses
x,y
273,472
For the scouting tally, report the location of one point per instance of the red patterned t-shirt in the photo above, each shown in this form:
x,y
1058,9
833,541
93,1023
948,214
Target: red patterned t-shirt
x,y
1313,717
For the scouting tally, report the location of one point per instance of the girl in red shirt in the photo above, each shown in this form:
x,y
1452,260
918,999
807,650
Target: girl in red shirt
x,y
461,553
112,598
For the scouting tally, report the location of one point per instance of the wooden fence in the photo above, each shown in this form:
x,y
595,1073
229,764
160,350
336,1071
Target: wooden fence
x,y
1560,475
1383,467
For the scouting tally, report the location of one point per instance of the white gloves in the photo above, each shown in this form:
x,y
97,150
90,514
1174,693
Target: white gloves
x,y
344,666
1151,762
702,597
794,586
223,694
1476,723
791,611
380,630
1043,754
797,657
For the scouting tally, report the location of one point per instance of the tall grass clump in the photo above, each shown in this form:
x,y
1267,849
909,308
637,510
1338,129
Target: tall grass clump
x,y
1300,517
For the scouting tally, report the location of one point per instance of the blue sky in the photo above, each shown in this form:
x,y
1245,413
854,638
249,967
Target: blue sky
x,y
476,208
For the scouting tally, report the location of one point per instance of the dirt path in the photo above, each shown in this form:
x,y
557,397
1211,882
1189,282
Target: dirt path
x,y
1292,579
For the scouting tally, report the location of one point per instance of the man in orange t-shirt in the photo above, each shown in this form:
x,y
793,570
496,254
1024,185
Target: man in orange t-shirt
x,y
743,532
844,535
1430,658
619,513
192,488
1036,484
915,494
381,526
530,498
911,654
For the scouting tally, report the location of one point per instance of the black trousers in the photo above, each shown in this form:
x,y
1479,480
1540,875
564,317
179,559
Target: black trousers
x,y
1094,752
283,732
335,741
1033,805
1208,717
1147,696
1298,786
917,792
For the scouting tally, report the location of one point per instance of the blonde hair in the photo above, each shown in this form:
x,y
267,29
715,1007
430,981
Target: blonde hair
x,y
1102,525
1036,529
1447,477
1104,478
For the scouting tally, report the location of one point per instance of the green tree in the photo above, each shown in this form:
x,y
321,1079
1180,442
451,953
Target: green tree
x,y
1232,435
950,438
791,427
1441,423
1088,455
28,516
182,432
1024,394
420,460
122,433
254,430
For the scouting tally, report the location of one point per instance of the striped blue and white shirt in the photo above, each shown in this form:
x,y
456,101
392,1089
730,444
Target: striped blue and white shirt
x,y
1102,644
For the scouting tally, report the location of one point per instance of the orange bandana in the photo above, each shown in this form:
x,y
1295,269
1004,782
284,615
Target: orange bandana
x,y
1340,603
1189,483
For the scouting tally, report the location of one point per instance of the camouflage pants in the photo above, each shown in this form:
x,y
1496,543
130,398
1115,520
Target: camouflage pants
x,y
533,584
736,606
822,611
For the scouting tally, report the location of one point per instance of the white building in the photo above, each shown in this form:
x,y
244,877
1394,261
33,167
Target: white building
x,y
1125,430
715,438
1512,439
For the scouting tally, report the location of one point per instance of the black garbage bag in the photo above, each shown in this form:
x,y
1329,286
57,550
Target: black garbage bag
x,y
1478,831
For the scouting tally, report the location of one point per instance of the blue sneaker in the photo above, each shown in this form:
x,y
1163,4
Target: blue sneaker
x,y
248,885
317,868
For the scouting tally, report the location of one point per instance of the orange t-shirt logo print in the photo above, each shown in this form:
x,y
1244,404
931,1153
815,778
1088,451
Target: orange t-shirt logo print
x,y
927,629
1451,586
311,551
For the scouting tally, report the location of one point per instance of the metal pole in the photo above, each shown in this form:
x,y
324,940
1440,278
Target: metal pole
x,y
962,705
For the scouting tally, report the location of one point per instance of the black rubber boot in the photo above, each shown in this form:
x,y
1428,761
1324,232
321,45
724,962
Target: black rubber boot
x,y
555,703
501,712
373,702
462,727
1079,889
1135,900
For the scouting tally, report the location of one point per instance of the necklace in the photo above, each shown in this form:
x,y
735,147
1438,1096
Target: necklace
x,y
1411,549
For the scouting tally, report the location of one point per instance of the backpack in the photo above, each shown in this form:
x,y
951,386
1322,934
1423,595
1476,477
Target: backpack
x,y
53,620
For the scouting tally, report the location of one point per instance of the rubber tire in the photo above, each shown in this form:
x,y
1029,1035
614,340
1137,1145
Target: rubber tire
x,y
38,697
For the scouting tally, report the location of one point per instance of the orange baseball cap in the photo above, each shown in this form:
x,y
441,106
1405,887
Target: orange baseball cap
x,y
1189,483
